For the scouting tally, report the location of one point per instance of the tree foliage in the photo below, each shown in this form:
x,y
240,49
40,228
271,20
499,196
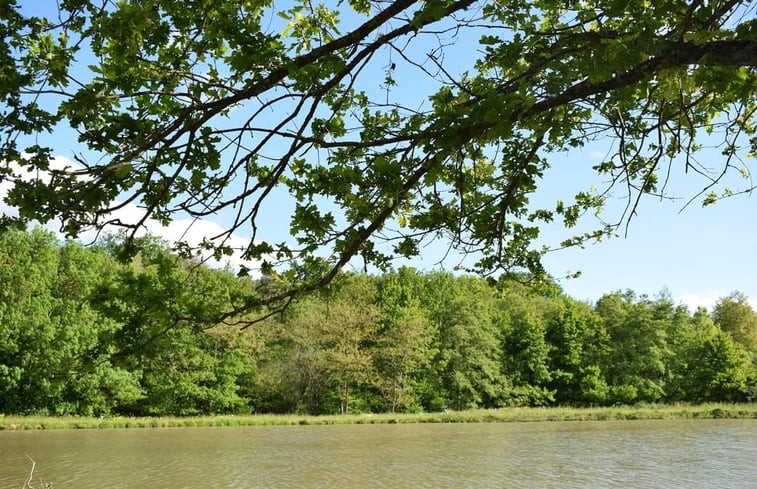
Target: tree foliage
x,y
83,333
736,317
353,109
51,333
405,345
579,346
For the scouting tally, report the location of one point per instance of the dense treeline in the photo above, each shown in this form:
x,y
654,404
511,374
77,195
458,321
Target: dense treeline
x,y
81,332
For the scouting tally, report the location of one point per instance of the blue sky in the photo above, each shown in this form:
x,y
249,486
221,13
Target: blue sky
x,y
699,254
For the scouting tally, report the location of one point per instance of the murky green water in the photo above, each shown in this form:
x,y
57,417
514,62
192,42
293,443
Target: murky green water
x,y
631,454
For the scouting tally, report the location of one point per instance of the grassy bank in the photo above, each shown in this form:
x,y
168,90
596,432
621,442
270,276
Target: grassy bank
x,y
504,415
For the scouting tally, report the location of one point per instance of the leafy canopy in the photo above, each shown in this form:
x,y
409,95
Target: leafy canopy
x,y
355,116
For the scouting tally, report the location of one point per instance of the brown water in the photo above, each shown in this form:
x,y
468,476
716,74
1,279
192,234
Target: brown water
x,y
630,454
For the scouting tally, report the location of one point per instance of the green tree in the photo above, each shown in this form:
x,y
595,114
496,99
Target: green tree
x,y
352,320
708,364
684,333
191,109
54,354
403,342
467,369
324,349
579,346
637,368
736,317
293,375
722,372
184,373
525,355
163,304
719,369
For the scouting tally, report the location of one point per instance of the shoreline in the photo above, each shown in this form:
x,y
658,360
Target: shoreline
x,y
501,415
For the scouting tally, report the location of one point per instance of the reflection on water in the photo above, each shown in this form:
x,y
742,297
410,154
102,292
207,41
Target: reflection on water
x,y
630,454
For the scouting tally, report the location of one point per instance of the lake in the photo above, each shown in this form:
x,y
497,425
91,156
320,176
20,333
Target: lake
x,y
686,454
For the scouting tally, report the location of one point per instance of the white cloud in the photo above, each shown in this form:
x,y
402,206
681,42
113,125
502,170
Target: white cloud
x,y
22,173
695,301
194,231
191,231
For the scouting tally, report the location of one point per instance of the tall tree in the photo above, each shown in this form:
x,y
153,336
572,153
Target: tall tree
x,y
404,339
351,320
163,305
709,365
579,347
326,353
525,355
468,360
637,369
736,317
54,349
185,109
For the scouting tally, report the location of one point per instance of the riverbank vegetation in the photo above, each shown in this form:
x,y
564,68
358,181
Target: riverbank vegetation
x,y
499,415
84,333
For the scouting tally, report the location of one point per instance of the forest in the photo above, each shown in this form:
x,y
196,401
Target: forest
x,y
85,332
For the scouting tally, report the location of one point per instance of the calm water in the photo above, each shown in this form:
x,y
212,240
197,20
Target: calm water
x,y
631,454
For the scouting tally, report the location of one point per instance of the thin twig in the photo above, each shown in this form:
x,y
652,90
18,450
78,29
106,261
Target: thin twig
x,y
28,483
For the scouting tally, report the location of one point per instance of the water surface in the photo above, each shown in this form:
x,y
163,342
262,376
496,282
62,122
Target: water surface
x,y
687,454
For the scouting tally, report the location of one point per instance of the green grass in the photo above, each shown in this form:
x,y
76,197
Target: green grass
x,y
504,415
